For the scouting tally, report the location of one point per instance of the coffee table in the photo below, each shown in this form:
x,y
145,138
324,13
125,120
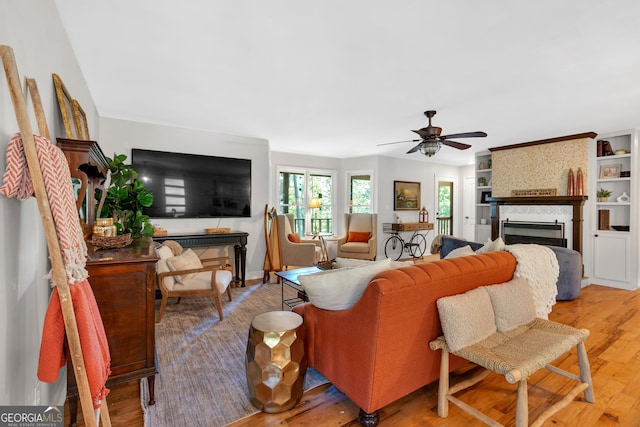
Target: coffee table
x,y
290,278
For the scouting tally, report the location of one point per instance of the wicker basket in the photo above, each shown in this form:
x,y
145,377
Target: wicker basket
x,y
111,242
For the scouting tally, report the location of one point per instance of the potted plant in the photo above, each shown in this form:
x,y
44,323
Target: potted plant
x,y
603,195
125,199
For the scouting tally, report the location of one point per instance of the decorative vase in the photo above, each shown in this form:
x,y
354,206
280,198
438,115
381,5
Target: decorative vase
x,y
579,183
570,183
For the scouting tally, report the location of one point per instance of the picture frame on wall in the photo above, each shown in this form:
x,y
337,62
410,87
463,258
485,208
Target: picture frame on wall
x,y
406,196
610,171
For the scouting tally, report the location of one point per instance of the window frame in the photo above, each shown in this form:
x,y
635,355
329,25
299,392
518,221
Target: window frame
x,y
308,212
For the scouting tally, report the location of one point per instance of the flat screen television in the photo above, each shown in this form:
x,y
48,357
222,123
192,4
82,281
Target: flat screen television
x,y
194,186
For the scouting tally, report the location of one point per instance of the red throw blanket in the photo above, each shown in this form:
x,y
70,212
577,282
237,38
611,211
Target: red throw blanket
x,y
93,340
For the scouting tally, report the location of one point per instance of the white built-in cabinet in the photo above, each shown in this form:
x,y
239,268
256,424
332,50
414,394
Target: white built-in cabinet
x,y
615,248
483,189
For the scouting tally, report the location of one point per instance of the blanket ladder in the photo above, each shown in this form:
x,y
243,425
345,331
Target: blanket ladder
x,y
91,417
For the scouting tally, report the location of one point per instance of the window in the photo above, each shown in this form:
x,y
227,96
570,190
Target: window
x,y
308,196
360,184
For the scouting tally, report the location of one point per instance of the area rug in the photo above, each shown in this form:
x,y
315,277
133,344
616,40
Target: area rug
x,y
200,359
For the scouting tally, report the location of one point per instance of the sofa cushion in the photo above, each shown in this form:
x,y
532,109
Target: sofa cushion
x,y
187,261
491,246
459,252
512,303
341,288
466,318
359,236
450,243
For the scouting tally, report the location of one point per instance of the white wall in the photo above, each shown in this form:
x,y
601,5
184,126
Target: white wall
x,y
41,48
120,136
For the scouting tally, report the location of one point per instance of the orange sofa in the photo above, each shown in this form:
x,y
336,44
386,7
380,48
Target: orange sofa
x,y
378,350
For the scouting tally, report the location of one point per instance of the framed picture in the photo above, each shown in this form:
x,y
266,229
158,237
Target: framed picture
x,y
484,196
64,102
610,171
80,120
406,196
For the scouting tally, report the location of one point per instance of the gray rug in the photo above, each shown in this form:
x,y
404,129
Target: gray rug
x,y
202,378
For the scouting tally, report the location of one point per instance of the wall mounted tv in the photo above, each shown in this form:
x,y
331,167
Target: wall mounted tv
x,y
194,186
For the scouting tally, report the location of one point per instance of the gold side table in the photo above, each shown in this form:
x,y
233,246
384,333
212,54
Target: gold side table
x,y
276,361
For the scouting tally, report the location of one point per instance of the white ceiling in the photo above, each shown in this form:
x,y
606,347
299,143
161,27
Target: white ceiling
x,y
337,77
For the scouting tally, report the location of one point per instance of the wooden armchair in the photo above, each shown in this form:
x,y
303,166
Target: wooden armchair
x,y
186,275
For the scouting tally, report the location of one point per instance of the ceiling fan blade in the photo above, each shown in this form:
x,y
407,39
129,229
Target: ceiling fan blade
x,y
465,135
414,149
454,144
399,142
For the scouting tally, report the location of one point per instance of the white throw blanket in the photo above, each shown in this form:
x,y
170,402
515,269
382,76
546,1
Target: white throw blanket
x,y
539,265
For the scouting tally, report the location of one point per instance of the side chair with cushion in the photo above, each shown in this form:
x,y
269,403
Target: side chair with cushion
x,y
294,250
496,327
182,274
360,236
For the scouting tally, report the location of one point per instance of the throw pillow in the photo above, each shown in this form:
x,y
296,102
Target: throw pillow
x,y
352,262
164,252
175,247
340,289
294,238
187,261
490,246
460,252
359,236
162,267
466,318
513,303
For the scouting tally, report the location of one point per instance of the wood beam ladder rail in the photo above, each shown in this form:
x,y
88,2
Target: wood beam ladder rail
x,y
91,417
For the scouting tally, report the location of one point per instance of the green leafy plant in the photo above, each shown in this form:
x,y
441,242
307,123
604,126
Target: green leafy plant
x,y
603,193
125,199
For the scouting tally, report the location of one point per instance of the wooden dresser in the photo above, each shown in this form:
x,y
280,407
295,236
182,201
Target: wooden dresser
x,y
123,281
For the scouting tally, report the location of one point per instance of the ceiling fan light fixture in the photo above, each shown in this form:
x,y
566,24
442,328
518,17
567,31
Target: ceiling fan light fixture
x,y
429,148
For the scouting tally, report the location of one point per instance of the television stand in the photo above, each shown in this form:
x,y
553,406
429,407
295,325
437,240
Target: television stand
x,y
236,238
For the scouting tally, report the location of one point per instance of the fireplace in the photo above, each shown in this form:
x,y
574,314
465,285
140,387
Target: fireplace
x,y
576,203
541,233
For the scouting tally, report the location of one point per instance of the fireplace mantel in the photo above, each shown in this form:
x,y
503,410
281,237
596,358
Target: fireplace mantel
x,y
577,202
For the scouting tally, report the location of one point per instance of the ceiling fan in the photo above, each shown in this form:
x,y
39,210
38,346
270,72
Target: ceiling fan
x,y
431,140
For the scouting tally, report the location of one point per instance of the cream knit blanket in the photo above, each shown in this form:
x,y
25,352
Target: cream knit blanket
x,y
539,265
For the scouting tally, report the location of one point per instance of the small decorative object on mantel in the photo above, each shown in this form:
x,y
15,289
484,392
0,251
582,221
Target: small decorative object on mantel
x,y
570,183
535,192
424,215
579,183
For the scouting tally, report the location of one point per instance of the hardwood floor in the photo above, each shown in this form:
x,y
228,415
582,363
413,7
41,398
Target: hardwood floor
x,y
612,316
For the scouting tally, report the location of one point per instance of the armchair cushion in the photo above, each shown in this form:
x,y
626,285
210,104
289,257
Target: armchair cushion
x,y
294,238
340,289
466,318
187,261
359,236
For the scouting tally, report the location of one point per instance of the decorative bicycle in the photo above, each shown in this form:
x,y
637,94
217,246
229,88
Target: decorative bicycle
x,y
395,246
